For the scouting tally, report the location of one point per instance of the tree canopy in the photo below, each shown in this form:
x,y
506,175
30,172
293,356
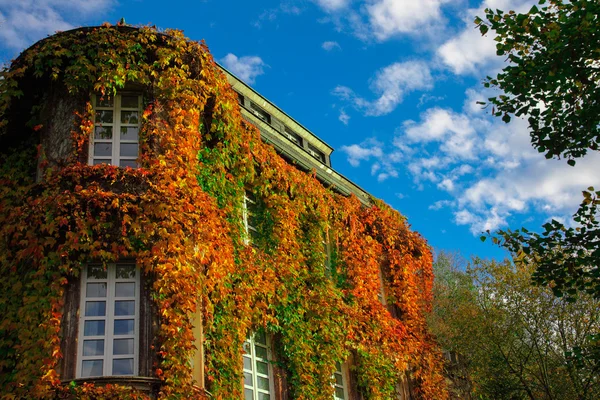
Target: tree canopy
x,y
553,73
509,339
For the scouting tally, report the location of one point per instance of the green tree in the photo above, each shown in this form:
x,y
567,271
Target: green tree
x,y
514,338
553,78
553,73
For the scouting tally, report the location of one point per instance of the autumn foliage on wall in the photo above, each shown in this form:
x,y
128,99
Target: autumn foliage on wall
x,y
180,217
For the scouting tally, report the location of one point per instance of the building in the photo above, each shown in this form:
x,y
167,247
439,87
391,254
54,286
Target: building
x,y
163,235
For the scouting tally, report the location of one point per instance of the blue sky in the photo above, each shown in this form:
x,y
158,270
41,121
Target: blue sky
x,y
392,85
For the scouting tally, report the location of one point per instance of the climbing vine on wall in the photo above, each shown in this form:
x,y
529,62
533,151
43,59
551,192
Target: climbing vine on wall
x,y
179,215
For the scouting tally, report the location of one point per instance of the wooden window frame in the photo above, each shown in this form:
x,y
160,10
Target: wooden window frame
x,y
109,318
261,114
115,158
251,343
249,204
315,153
341,370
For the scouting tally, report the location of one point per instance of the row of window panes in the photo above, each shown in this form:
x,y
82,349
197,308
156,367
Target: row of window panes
x,y
287,132
257,376
116,130
115,289
108,320
250,217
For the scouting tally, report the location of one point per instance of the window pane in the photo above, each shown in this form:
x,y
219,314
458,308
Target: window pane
x,y
125,271
263,396
124,327
124,289
103,149
93,347
104,116
128,149
129,117
261,352
339,380
122,346
260,337
247,378
248,394
96,289
123,366
129,133
262,367
129,101
96,272
95,308
91,368
104,101
128,163
101,161
263,383
339,393
93,328
103,132
247,347
247,364
125,307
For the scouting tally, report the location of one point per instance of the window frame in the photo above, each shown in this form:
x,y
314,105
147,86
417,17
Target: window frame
x,y
260,113
115,158
292,136
250,230
109,318
315,153
251,341
341,370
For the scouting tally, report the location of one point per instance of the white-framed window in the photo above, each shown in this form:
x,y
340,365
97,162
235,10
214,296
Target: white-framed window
x,y
108,342
260,113
293,136
340,384
258,372
116,130
316,153
325,243
250,217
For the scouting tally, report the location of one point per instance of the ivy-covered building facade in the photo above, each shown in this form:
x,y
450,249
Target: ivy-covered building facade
x,y
167,232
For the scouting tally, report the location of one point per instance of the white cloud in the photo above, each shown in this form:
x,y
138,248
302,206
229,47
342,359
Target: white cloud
x,y
470,53
438,205
388,18
366,150
328,46
333,5
272,14
23,22
247,68
344,118
391,84
446,184
488,168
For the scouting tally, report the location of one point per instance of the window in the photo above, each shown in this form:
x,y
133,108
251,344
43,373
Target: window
x,y
250,217
313,151
116,130
325,242
293,136
258,382
240,98
340,386
108,321
260,113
